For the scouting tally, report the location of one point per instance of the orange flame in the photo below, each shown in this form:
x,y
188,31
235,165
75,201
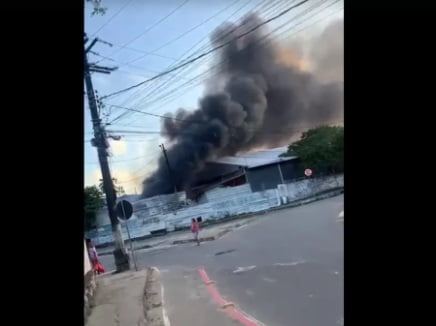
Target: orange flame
x,y
289,58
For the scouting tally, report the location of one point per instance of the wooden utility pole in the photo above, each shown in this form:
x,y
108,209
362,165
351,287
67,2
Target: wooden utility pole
x,y
170,172
100,141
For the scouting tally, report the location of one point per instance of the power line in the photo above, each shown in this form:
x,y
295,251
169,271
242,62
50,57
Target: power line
x,y
138,74
148,132
317,21
140,140
171,93
208,52
261,7
166,82
133,179
187,32
121,161
112,17
130,65
257,7
179,60
148,113
101,56
151,27
137,171
146,52
179,87
136,50
174,92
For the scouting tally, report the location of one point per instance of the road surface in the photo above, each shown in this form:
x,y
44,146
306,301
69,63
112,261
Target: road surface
x,y
285,268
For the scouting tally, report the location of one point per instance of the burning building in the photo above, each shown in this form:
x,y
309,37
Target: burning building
x,y
260,170
259,98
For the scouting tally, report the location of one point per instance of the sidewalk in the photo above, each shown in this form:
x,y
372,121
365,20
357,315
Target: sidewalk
x,y
151,298
188,303
119,300
208,233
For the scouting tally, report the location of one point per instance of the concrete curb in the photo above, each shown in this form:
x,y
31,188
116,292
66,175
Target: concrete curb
x,y
211,238
106,253
90,290
154,310
181,241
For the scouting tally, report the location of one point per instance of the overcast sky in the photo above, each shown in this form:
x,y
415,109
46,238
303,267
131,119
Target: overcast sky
x,y
148,36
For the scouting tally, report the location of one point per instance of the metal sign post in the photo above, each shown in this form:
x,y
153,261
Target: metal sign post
x,y
131,245
124,211
308,173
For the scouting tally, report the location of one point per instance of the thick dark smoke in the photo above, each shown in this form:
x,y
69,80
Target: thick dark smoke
x,y
255,102
327,53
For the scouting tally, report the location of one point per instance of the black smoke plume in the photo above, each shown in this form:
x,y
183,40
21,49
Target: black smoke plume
x,y
255,101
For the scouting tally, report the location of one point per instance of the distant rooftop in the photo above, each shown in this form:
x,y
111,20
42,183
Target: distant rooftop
x,y
247,160
255,159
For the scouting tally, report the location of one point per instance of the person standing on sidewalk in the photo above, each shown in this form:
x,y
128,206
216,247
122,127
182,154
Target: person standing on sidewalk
x,y
195,229
93,256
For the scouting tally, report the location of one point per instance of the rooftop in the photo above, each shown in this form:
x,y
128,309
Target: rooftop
x,y
255,159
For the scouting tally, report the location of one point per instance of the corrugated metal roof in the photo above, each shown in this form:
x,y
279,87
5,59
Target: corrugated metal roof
x,y
255,159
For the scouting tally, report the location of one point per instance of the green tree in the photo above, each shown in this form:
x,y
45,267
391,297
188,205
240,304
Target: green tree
x,y
119,190
320,149
93,202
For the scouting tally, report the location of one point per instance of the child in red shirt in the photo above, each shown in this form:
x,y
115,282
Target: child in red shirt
x,y
93,257
195,229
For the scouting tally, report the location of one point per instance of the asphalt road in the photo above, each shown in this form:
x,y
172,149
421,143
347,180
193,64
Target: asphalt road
x,y
286,268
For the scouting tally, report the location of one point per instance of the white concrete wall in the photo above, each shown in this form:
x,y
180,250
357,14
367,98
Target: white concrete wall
x,y
146,207
102,217
307,187
86,261
222,202
222,192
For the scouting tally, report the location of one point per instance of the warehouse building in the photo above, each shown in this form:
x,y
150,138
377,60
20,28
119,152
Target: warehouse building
x,y
261,170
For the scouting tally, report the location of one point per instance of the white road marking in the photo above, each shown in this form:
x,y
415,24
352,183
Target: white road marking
x,y
244,269
290,264
249,292
259,323
166,320
340,217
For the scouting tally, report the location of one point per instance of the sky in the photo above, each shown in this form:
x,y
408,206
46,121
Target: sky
x,y
148,37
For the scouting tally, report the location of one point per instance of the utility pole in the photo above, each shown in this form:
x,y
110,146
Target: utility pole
x,y
169,167
100,141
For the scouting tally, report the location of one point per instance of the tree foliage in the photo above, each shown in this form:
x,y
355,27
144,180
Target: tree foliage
x,y
119,190
98,9
93,202
320,149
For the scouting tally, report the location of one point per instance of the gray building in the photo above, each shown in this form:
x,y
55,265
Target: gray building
x,y
262,170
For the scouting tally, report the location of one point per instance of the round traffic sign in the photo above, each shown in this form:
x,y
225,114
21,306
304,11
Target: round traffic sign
x,y
308,172
124,210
